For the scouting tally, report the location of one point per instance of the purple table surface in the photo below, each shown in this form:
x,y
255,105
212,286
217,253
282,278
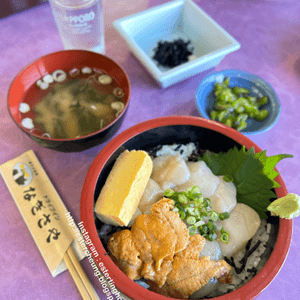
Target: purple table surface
x,y
269,32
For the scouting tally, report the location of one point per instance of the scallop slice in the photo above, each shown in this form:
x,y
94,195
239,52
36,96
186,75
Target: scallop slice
x,y
224,198
136,214
152,194
148,211
211,249
241,226
208,288
167,185
171,169
203,177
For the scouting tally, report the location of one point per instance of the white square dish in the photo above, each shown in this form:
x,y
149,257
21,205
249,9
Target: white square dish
x,y
172,20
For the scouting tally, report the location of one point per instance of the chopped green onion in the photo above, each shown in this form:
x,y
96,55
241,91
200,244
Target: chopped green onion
x,y
214,216
207,202
192,230
182,199
199,223
182,214
169,193
191,220
209,224
203,214
212,236
176,209
203,229
196,211
224,236
190,210
223,216
195,190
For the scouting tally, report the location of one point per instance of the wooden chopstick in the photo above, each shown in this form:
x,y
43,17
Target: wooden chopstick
x,y
82,282
85,295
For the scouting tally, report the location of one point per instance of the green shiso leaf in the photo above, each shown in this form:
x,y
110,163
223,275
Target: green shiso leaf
x,y
252,173
270,163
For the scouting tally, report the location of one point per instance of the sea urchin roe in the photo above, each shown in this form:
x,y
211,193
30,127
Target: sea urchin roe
x,y
196,211
172,54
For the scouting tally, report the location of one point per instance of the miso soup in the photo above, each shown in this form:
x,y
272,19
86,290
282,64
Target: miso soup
x,y
72,104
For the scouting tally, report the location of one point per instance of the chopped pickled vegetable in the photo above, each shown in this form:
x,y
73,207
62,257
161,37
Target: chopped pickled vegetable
x,y
233,106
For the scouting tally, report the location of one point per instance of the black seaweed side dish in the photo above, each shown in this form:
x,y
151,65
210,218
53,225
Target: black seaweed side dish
x,y
172,54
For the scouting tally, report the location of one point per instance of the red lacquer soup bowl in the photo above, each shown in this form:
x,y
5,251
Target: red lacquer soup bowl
x,y
213,136
24,89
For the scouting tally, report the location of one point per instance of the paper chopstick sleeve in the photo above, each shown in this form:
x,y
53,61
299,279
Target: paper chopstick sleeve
x,y
42,210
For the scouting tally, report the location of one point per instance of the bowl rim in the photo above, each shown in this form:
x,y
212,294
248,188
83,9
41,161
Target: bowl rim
x,y
244,73
53,54
251,289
